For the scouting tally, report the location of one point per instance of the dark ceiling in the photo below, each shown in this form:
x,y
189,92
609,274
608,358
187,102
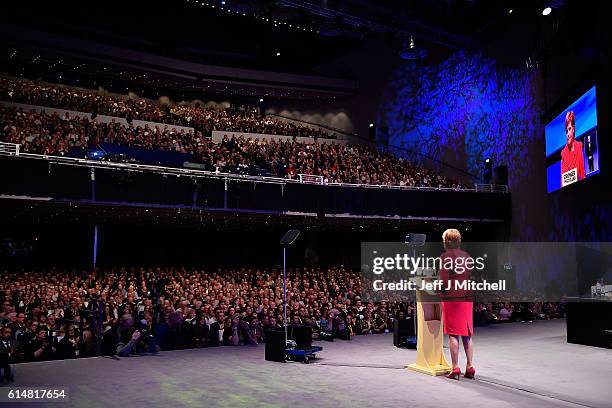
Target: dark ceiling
x,y
293,36
250,33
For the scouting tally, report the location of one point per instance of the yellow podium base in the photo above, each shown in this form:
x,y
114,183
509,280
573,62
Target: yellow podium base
x,y
435,370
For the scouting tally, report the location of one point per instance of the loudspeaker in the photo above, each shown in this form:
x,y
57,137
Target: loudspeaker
x,y
500,175
402,328
487,171
301,334
382,137
275,345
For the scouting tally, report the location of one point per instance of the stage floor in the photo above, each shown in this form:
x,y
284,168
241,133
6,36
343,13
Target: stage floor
x,y
518,365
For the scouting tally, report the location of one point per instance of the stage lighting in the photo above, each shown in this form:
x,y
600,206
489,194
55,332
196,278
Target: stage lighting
x,y
411,52
546,11
278,54
371,125
260,99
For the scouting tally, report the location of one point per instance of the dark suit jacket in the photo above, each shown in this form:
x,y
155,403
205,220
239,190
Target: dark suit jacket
x,y
215,328
590,148
8,353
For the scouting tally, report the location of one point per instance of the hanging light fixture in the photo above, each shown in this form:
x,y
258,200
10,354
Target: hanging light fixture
x,y
411,52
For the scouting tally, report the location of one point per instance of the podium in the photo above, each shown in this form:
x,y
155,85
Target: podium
x,y
430,335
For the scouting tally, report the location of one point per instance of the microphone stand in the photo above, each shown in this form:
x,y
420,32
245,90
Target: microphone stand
x,y
287,239
285,292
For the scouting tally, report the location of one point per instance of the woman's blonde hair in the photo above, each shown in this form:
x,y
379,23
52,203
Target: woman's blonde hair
x,y
451,238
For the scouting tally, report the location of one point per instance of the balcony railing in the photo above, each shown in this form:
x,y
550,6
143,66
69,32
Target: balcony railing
x,y
12,149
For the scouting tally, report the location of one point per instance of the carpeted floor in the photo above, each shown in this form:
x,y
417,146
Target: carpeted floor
x,y
518,365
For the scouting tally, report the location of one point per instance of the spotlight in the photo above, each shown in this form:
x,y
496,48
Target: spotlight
x,y
278,54
510,11
371,125
546,11
260,99
411,52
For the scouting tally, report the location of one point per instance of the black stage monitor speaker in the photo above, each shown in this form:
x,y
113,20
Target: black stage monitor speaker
x,y
402,329
301,334
275,345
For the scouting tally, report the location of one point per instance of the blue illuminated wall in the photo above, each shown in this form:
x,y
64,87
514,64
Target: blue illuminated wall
x,y
463,111
467,109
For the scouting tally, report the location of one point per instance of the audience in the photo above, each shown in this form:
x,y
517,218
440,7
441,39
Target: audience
x,y
503,312
245,120
57,314
43,133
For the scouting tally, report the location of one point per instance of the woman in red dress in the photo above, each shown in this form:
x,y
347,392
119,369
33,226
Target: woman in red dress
x,y
457,305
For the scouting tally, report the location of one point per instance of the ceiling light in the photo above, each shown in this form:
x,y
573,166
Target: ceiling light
x,y
411,52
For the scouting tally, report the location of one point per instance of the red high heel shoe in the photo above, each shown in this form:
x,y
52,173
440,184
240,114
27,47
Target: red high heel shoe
x,y
470,372
455,374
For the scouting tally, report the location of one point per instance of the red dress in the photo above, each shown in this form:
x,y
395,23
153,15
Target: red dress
x,y
457,305
573,159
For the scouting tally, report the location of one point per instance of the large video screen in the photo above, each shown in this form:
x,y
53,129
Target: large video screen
x,y
572,153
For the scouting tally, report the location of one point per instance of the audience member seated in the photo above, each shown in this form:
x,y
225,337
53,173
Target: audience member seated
x,y
505,313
